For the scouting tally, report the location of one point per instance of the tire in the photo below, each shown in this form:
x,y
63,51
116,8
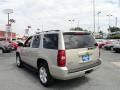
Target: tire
x,y
18,61
44,75
116,51
112,49
1,51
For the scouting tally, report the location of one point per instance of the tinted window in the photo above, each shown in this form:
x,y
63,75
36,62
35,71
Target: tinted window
x,y
28,42
36,42
2,39
50,41
78,40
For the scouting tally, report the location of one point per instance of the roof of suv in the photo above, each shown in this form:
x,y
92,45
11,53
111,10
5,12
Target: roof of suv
x,y
58,31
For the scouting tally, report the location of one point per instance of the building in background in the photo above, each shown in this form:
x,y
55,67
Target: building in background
x,y
3,35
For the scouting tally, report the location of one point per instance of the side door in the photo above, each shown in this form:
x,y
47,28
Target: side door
x,y
35,49
25,51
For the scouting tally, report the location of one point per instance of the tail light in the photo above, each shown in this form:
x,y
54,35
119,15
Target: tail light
x,y
61,58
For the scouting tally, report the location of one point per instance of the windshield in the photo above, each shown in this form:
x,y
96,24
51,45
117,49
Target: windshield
x,y
78,40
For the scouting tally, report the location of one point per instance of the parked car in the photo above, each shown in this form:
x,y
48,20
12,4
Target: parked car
x,y
111,45
116,48
108,46
14,44
59,55
4,47
101,42
106,43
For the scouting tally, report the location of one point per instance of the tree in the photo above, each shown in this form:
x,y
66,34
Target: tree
x,y
114,36
101,34
77,29
115,33
113,29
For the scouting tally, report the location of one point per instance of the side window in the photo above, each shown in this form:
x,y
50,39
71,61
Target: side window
x,y
36,41
50,41
28,42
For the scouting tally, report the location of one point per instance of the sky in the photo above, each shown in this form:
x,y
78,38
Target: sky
x,y
55,14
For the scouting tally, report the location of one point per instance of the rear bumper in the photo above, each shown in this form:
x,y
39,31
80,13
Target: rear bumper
x,y
64,74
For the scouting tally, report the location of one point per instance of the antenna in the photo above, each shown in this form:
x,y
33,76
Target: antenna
x,y
119,3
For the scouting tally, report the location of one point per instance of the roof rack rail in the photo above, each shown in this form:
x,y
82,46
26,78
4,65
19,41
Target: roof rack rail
x,y
47,31
51,30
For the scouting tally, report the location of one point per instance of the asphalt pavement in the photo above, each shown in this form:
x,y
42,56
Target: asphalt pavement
x,y
107,77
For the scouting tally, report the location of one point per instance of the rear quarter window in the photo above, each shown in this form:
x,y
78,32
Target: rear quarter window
x,y
36,41
50,41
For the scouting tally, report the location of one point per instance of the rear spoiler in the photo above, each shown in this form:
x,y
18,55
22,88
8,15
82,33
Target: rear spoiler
x,y
76,33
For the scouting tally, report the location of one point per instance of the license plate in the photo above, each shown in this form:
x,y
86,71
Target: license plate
x,y
85,58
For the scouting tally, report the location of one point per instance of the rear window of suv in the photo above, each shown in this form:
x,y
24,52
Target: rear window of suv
x,y
78,40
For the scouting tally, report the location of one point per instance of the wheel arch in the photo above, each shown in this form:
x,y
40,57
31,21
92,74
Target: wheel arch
x,y
50,79
2,49
40,60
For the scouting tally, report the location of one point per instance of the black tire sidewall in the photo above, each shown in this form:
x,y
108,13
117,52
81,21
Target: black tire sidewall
x,y
2,50
18,56
50,79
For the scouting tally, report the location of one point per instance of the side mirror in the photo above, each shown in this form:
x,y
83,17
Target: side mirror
x,y
20,44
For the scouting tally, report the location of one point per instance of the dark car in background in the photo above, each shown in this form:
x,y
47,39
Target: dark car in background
x,y
108,46
116,48
5,47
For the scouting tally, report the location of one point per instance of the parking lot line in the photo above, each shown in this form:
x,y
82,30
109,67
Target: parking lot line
x,y
116,63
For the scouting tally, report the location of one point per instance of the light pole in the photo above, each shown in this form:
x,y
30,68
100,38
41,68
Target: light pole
x,y
109,16
8,26
71,21
42,27
116,21
78,23
27,31
94,25
98,20
38,30
8,12
11,21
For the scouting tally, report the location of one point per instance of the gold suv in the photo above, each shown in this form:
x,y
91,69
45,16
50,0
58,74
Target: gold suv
x,y
60,55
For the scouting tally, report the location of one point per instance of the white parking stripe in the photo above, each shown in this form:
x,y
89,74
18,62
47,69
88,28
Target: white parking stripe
x,y
116,63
